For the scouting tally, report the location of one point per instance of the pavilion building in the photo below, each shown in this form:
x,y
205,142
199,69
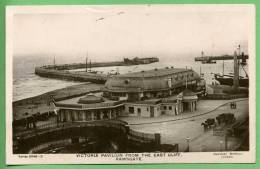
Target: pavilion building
x,y
149,93
88,108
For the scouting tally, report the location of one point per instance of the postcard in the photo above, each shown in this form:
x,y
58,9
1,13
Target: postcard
x,y
124,84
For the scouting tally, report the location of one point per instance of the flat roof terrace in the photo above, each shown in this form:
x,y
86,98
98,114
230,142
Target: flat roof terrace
x,y
156,72
73,103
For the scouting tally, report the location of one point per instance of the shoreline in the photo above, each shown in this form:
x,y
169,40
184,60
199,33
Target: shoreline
x,y
42,103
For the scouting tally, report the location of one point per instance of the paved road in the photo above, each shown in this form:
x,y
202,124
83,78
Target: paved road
x,y
177,131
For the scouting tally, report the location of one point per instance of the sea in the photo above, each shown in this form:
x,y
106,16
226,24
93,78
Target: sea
x,y
27,84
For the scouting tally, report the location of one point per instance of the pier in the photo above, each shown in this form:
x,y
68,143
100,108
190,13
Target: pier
x,y
223,57
62,71
50,72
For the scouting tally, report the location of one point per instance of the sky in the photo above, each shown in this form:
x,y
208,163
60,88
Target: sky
x,y
113,32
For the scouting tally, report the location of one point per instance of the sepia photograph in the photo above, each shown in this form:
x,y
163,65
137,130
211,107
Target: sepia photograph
x,y
98,84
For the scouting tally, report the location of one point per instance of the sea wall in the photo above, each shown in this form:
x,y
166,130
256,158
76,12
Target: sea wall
x,y
67,75
61,71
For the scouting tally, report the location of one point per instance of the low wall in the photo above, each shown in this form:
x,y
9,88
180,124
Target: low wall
x,y
143,137
138,141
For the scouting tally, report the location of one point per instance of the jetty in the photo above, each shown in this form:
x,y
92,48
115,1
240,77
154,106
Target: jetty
x,y
61,71
46,71
223,57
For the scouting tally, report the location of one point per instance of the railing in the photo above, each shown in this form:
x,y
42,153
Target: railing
x,y
64,125
47,125
94,105
133,135
116,124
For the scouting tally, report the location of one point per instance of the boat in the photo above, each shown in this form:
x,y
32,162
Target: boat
x,y
225,79
228,80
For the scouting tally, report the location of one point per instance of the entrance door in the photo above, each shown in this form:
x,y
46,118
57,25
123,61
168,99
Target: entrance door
x,y
139,112
151,111
186,106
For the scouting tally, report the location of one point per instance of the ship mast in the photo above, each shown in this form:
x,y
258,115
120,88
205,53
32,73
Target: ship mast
x,y
117,70
87,63
186,81
236,73
90,65
238,60
223,68
54,61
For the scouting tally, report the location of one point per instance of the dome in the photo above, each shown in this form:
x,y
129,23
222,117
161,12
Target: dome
x,y
189,95
188,92
88,99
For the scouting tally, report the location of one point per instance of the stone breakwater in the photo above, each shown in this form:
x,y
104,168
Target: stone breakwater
x,y
61,71
67,75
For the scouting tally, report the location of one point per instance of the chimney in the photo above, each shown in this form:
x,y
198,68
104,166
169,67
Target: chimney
x,y
236,72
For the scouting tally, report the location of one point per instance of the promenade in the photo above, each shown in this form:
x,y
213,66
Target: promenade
x,y
29,106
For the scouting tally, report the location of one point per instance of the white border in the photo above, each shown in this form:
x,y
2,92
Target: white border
x,y
198,157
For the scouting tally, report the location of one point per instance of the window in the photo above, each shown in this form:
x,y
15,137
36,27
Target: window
x,y
165,107
131,110
147,108
170,107
139,110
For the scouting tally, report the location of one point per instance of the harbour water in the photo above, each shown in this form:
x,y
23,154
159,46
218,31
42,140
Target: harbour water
x,y
27,84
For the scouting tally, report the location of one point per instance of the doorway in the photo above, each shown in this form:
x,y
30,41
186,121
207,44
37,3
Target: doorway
x,y
151,111
139,112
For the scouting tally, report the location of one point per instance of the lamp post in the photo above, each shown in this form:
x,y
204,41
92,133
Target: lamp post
x,y
220,145
188,143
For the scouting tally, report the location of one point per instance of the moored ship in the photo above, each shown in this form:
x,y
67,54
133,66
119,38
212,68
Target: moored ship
x,y
228,80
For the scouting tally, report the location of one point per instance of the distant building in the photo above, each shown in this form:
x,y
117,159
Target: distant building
x,y
146,94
